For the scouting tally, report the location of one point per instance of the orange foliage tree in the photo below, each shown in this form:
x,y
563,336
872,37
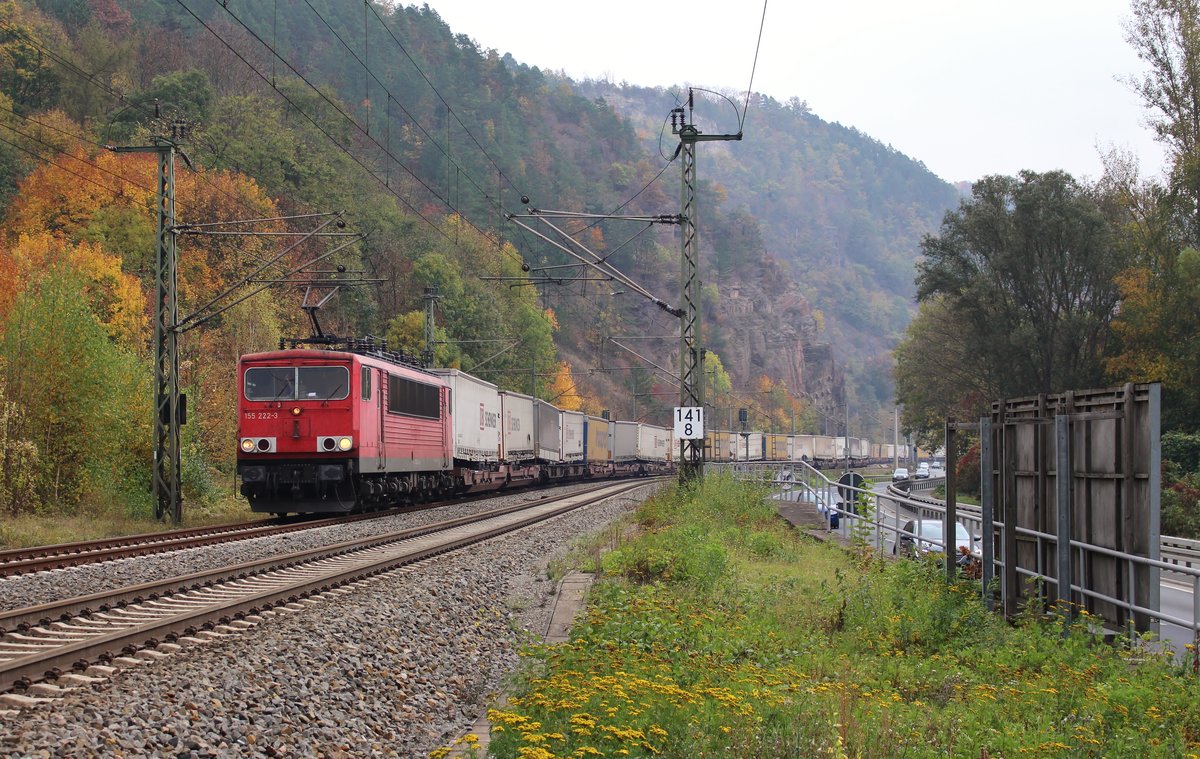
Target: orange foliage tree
x,y
97,212
113,296
563,391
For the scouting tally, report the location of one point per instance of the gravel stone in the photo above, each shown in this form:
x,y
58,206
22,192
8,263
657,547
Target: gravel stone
x,y
401,664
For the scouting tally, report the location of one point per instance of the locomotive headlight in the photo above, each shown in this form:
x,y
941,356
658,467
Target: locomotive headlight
x,y
335,443
295,411
247,444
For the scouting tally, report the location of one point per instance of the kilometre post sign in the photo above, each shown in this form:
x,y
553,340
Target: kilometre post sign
x,y
689,422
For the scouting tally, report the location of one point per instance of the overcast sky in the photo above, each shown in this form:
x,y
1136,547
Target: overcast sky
x,y
968,87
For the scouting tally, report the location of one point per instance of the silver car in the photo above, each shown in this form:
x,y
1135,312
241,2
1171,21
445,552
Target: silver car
x,y
923,537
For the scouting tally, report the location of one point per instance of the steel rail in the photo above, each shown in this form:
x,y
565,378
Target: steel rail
x,y
19,561
52,640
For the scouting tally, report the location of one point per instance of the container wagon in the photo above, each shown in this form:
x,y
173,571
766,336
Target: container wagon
x,y
517,439
475,413
547,438
779,447
825,451
597,446
754,446
572,445
804,448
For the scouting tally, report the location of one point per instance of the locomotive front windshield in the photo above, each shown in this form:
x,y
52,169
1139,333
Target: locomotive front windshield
x,y
292,383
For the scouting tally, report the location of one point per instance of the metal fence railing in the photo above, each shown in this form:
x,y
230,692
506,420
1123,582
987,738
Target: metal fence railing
x,y
876,517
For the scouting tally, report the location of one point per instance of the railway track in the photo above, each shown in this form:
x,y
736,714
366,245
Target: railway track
x,y
19,561
149,621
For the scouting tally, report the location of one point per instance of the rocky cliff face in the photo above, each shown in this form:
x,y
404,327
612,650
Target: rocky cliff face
x,y
759,322
763,325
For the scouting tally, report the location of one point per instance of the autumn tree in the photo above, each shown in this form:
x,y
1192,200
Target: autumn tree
x,y
19,465
563,391
1165,34
936,375
113,296
85,401
717,385
1157,326
99,221
28,76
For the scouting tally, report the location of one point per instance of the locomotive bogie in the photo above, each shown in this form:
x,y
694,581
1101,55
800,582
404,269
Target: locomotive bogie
x,y
306,486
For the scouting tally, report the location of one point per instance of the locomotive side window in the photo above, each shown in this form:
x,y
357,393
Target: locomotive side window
x,y
366,383
289,383
413,398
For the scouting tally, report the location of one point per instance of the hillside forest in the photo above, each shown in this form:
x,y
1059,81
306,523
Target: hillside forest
x,y
371,145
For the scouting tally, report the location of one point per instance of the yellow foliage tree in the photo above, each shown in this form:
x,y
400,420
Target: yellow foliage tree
x,y
113,296
563,392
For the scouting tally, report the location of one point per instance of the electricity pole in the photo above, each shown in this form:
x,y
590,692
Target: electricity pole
x,y
430,297
691,350
168,406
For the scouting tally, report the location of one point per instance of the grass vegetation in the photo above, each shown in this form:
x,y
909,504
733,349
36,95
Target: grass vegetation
x,y
717,631
68,525
964,498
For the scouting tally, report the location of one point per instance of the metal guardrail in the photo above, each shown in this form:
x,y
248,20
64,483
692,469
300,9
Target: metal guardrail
x,y
785,477
1181,552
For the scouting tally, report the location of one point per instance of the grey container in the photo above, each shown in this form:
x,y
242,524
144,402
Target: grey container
x,y
548,438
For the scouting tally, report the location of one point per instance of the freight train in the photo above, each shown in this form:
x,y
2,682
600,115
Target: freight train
x,y
820,451
351,426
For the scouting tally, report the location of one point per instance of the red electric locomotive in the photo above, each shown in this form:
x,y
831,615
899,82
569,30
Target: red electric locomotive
x,y
329,431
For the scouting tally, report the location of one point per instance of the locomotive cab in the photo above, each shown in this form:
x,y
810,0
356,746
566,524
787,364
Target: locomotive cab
x,y
329,431
296,445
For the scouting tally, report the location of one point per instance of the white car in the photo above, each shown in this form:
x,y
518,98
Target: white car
x,y
917,535
900,475
922,472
